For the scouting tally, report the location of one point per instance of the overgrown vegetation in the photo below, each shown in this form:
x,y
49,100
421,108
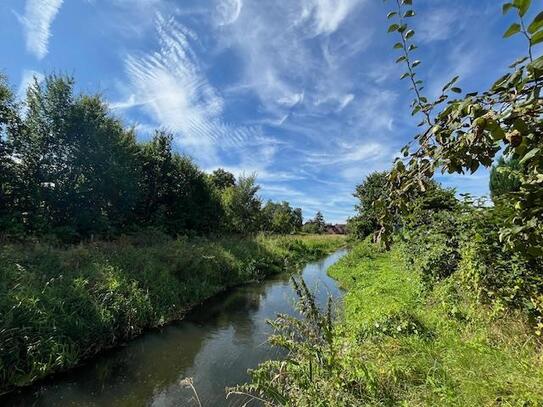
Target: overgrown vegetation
x,y
462,135
59,306
447,308
402,341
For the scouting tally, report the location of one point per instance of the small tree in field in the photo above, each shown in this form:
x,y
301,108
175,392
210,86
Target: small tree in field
x,y
373,188
242,206
317,225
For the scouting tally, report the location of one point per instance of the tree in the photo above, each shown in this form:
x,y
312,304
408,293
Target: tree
x,y
319,221
469,132
298,219
77,163
102,190
503,180
176,195
43,150
372,189
317,225
222,179
281,218
242,206
10,125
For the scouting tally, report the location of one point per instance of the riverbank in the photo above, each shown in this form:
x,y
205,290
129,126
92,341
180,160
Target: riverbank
x,y
60,306
434,344
402,341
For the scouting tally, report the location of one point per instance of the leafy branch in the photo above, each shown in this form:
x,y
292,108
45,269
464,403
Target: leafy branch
x,y
469,132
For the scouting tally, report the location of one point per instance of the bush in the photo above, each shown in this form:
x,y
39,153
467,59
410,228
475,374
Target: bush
x,y
432,248
496,273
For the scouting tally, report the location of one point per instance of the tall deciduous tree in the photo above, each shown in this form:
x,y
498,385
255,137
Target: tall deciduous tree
x,y
242,206
373,188
222,179
10,125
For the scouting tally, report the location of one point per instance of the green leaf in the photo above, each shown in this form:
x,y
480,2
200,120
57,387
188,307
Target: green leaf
x,y
401,59
412,47
518,62
512,30
415,63
536,38
507,7
522,5
393,27
537,64
409,34
391,14
450,83
405,75
529,155
409,13
499,83
398,45
407,2
536,24
456,90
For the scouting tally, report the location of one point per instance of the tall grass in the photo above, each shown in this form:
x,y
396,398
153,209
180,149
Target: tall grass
x,y
59,306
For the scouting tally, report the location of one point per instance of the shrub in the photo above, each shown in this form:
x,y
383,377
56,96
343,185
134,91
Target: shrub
x,y
496,273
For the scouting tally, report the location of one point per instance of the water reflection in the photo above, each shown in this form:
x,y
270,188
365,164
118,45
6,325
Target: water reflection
x,y
215,344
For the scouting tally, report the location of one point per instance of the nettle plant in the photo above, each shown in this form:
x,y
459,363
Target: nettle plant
x,y
461,134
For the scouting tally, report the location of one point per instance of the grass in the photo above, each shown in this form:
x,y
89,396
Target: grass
x,y
429,346
59,306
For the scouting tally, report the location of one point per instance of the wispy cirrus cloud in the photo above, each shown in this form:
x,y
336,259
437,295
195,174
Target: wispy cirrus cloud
x,y
170,85
325,16
36,22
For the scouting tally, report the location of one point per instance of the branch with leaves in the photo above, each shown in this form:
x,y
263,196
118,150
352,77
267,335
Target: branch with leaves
x,y
459,135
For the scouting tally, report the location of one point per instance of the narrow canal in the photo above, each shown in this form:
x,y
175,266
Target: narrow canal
x,y
215,345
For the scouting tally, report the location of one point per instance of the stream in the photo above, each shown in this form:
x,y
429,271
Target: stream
x,y
215,345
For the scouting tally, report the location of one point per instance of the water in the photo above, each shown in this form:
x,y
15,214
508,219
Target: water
x,y
215,345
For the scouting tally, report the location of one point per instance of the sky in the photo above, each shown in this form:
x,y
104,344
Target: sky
x,y
304,93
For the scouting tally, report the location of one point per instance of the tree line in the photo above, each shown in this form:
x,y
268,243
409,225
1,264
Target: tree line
x,y
70,169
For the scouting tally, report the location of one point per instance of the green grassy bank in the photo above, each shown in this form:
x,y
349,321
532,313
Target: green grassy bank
x,y
401,342
434,345
59,306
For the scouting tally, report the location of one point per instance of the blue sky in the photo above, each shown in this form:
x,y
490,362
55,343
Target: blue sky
x,y
304,93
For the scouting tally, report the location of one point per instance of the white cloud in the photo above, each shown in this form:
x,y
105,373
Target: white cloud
x,y
228,11
345,101
171,87
282,45
437,24
37,20
325,16
291,100
346,153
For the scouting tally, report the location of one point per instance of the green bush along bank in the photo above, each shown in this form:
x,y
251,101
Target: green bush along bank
x,y
59,306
